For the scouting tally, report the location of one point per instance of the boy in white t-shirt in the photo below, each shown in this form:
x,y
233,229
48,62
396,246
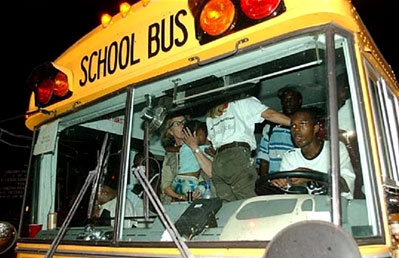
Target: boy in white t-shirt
x,y
313,153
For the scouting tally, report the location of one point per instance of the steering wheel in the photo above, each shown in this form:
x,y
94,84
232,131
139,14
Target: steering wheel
x,y
317,186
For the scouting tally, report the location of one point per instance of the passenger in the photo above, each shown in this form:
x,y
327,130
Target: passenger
x,y
347,130
135,189
172,139
192,159
312,153
106,205
276,139
346,123
231,130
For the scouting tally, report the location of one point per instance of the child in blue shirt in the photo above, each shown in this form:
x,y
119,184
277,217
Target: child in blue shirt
x,y
189,177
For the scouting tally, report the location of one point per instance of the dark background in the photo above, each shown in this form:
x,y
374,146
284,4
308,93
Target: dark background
x,y
41,30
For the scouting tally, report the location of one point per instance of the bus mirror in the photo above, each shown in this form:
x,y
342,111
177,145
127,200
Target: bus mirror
x,y
8,236
312,239
154,116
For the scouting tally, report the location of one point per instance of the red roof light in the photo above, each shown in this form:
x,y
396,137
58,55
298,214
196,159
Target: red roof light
x,y
45,91
259,9
49,84
60,85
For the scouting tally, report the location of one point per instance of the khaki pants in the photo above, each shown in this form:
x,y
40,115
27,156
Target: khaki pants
x,y
233,174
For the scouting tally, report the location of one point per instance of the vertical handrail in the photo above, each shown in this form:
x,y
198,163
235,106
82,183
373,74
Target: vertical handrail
x,y
334,143
125,166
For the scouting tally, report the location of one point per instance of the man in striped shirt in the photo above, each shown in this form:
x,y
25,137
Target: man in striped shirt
x,y
276,139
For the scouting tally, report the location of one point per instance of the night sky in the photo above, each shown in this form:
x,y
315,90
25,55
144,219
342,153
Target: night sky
x,y
41,30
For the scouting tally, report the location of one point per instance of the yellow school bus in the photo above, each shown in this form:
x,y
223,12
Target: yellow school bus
x,y
102,102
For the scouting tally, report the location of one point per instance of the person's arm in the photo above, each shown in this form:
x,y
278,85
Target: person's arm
x,y
168,191
204,162
347,172
263,167
263,151
167,177
276,117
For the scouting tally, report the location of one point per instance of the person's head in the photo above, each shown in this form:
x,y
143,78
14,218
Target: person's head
x,y
106,193
305,127
217,110
139,158
343,88
291,99
172,131
200,130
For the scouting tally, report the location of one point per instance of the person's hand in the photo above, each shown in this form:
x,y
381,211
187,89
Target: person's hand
x,y
96,211
210,151
196,194
190,138
280,182
298,181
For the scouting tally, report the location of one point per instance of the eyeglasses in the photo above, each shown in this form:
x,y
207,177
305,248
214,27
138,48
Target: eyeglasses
x,y
177,123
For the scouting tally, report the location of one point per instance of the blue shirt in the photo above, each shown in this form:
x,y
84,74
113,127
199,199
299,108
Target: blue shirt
x,y
272,149
188,162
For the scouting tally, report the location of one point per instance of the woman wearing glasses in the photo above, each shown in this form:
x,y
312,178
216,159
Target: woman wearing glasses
x,y
172,137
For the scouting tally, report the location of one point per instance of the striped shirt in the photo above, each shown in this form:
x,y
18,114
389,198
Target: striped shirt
x,y
272,149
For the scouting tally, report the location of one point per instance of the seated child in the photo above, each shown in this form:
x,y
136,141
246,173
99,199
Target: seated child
x,y
189,178
106,204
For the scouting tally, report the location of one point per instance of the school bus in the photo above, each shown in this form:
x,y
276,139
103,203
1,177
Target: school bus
x,y
103,100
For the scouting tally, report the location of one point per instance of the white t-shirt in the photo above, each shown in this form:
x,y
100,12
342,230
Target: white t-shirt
x,y
345,117
237,123
294,159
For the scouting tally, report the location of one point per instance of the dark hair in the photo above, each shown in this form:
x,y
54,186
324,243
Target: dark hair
x,y
194,125
289,87
316,114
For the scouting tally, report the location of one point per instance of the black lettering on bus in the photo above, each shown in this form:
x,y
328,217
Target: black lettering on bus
x,y
163,34
153,37
82,66
123,60
112,55
157,34
183,28
92,79
103,62
132,60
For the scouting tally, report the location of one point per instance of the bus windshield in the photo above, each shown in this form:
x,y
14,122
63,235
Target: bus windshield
x,y
69,147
